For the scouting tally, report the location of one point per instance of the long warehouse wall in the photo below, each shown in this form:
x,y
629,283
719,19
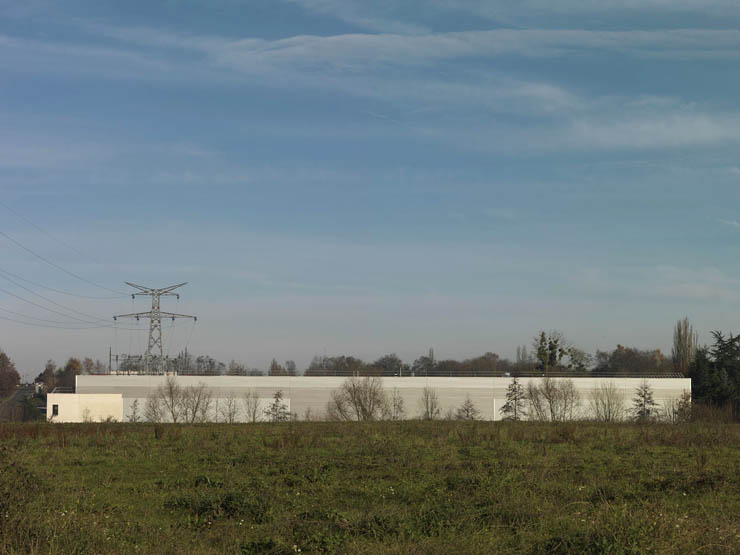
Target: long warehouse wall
x,y
312,393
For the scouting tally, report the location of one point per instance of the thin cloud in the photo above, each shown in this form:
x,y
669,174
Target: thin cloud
x,y
731,223
363,15
661,131
400,49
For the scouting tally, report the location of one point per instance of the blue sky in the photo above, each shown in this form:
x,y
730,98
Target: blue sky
x,y
365,178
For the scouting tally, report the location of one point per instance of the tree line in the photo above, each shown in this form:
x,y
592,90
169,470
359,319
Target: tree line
x,y
558,400
549,353
53,376
9,377
714,369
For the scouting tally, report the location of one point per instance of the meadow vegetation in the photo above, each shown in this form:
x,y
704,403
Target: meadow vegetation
x,y
370,487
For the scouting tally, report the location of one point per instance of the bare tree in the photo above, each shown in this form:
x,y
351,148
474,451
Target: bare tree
x,y
678,409
338,407
607,402
429,403
204,409
685,342
153,410
251,406
396,410
230,409
553,400
236,369
467,410
358,399
170,394
134,414
536,405
196,400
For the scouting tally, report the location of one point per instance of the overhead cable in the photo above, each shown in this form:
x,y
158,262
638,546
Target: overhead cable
x,y
44,325
57,266
52,301
46,287
45,307
50,235
80,328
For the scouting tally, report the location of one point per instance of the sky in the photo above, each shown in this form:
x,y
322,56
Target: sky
x,y
350,177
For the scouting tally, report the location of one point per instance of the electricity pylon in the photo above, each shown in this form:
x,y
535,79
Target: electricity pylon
x,y
155,321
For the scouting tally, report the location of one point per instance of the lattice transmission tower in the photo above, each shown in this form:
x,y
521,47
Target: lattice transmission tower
x,y
155,322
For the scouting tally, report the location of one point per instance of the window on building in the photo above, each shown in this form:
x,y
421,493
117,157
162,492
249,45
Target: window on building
x,y
55,410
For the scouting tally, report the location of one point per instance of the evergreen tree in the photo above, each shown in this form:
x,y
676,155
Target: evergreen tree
x,y
467,411
277,411
644,407
513,409
715,372
134,415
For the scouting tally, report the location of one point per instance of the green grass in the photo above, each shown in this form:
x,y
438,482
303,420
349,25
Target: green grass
x,y
408,487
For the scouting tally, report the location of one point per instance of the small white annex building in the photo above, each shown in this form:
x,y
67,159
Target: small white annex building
x,y
99,397
84,407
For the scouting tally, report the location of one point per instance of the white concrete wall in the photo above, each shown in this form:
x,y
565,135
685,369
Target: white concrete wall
x,y
302,393
92,407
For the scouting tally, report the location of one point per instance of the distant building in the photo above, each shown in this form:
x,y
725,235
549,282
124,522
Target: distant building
x,y
113,396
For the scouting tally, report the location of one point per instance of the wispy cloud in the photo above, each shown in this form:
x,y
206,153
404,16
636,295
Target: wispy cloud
x,y
651,283
352,51
660,131
403,78
708,283
379,17
731,223
497,10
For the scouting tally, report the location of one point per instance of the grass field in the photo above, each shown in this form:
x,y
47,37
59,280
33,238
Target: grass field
x,y
388,487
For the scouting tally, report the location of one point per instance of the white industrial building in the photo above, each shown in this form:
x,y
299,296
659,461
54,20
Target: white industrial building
x,y
114,396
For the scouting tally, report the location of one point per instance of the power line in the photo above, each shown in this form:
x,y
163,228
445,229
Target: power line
x,y
44,325
190,336
53,302
65,325
47,308
46,287
44,320
57,266
26,316
80,328
42,230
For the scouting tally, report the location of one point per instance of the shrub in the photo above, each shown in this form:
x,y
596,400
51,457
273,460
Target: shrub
x,y
553,400
358,399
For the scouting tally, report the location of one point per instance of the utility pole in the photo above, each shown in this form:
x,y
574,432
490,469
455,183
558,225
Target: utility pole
x,y
155,322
